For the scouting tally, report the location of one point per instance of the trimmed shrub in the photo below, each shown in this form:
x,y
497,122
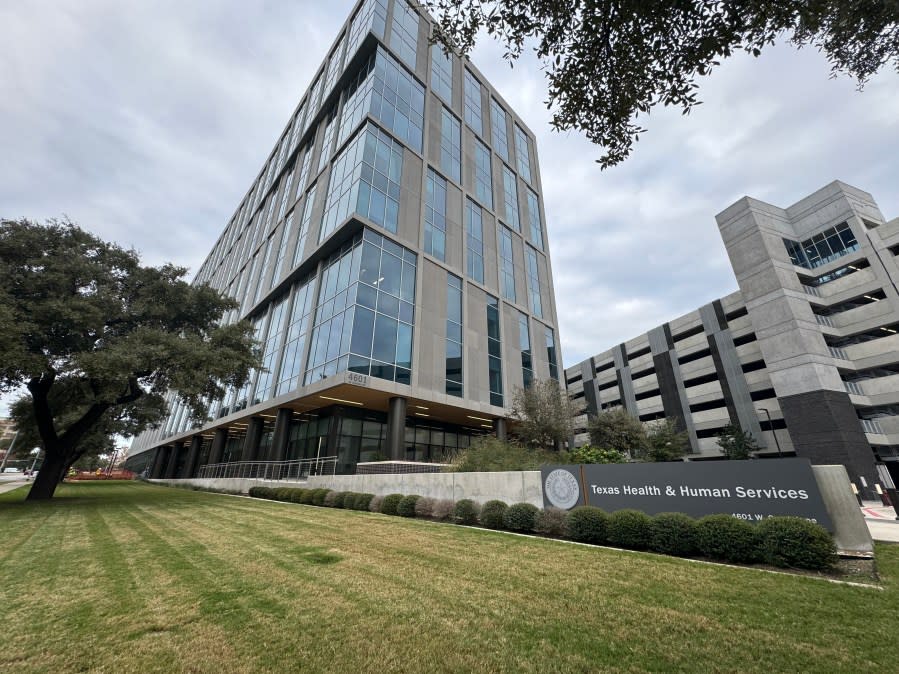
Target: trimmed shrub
x,y
492,514
319,496
331,498
260,492
374,505
726,538
296,495
795,542
362,501
347,501
307,496
390,503
466,512
283,493
674,534
406,507
521,517
587,524
630,529
424,507
551,522
443,509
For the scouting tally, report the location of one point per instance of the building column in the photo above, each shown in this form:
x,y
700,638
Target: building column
x,y
251,441
159,463
499,428
396,429
281,434
193,454
173,460
218,445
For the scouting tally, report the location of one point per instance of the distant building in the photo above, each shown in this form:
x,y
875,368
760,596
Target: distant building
x,y
805,355
7,433
393,256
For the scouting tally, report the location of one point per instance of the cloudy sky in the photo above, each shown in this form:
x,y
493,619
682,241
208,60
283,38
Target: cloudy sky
x,y
146,122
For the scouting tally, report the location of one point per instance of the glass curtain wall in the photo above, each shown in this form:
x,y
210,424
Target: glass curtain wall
x,y
365,312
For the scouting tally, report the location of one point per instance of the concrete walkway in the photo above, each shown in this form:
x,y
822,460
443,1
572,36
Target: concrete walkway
x,y
881,521
9,486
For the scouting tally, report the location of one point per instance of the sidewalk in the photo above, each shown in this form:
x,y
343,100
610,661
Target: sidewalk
x,y
881,521
9,486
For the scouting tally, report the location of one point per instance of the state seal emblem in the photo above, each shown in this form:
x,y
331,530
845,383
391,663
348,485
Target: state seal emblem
x,y
561,489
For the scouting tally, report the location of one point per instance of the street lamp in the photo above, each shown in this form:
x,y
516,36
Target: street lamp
x,y
773,432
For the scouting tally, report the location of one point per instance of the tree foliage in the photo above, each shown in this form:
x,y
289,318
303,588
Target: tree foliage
x,y
97,340
616,429
735,443
665,441
489,454
608,62
590,454
543,413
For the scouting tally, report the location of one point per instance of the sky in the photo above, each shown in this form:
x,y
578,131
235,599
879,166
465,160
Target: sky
x,y
146,122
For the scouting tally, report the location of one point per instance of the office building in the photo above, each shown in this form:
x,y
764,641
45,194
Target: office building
x,y
392,254
805,355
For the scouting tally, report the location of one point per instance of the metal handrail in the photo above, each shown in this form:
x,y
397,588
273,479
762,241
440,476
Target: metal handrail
x,y
299,469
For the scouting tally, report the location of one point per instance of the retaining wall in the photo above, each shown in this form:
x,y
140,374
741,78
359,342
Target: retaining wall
x,y
850,533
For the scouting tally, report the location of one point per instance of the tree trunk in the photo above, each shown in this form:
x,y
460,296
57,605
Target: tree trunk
x,y
49,476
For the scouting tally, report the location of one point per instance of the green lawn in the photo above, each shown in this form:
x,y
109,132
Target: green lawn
x,y
127,577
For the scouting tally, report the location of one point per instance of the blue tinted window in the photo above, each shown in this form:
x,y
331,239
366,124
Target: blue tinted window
x,y
474,240
451,146
365,179
385,90
533,282
523,153
551,353
472,91
454,378
507,264
483,177
534,218
494,353
524,344
498,120
441,73
827,246
510,198
404,34
371,17
435,215
365,315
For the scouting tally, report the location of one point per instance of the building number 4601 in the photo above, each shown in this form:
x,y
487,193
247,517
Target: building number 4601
x,y
755,517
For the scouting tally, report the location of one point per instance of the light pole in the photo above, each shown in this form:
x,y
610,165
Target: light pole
x,y
37,454
8,451
773,432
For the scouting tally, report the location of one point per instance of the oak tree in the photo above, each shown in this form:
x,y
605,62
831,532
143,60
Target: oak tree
x,y
97,340
609,61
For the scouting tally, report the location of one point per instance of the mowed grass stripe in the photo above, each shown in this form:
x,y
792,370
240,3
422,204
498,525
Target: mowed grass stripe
x,y
223,584
676,618
332,512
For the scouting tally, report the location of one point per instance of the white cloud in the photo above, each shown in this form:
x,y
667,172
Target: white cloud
x,y
147,122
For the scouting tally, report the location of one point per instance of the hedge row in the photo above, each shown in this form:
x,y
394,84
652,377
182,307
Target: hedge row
x,y
780,541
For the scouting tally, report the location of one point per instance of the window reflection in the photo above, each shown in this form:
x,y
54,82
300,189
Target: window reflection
x,y
365,314
822,248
